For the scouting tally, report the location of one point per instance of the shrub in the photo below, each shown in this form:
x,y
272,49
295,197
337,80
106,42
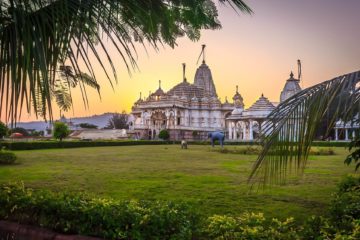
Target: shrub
x,y
250,226
3,130
106,218
345,206
7,157
88,125
60,131
322,151
249,150
164,134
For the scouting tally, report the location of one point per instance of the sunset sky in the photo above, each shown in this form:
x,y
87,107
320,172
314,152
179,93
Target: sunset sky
x,y
256,52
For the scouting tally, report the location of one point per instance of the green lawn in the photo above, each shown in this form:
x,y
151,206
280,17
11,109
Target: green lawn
x,y
213,181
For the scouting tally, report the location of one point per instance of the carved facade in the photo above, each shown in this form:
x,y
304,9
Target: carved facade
x,y
192,110
187,111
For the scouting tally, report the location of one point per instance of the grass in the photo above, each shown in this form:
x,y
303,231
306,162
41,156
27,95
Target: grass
x,y
214,182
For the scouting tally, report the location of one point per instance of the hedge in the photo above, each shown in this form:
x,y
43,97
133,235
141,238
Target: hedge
x,y
33,145
105,218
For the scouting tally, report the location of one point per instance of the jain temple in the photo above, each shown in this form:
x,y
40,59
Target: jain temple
x,y
191,110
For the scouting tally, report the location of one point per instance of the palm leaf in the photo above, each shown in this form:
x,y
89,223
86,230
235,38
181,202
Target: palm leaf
x,y
39,36
291,127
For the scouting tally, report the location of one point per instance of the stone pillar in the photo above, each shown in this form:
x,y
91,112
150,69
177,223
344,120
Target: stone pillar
x,y
234,132
260,127
230,131
346,134
336,134
353,134
243,132
251,136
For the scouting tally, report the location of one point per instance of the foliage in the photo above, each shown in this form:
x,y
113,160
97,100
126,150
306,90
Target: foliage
x,y
354,157
118,121
3,130
287,143
106,218
250,226
76,30
88,125
31,145
164,134
21,130
37,133
7,157
345,206
60,130
254,150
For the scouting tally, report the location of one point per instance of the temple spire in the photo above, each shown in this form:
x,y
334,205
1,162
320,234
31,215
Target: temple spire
x,y
237,89
159,84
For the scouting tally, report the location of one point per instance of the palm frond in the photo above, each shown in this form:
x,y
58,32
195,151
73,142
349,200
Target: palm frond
x,y
291,127
39,36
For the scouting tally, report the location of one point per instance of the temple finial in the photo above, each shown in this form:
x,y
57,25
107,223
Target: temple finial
x,y
291,75
237,89
184,70
203,51
140,95
202,54
159,84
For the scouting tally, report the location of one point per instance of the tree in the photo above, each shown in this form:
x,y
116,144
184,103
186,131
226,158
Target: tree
x,y
118,121
60,130
34,54
292,126
164,134
3,130
88,125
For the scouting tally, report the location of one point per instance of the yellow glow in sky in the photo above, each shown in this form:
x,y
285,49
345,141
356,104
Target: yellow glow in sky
x,y
255,52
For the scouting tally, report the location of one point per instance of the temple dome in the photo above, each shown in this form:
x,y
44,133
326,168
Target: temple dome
x,y
187,89
261,107
291,88
159,91
204,80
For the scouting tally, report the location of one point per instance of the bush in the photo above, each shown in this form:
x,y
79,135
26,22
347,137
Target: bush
x,y
345,207
250,226
164,134
322,151
3,130
7,157
88,125
60,131
106,218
